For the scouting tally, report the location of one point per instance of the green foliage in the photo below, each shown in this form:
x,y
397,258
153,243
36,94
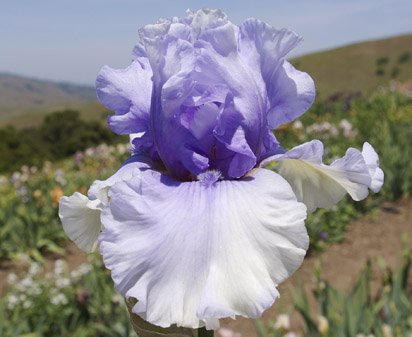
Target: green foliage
x,y
385,120
354,68
62,134
380,72
82,303
20,147
361,312
395,72
381,61
29,222
405,57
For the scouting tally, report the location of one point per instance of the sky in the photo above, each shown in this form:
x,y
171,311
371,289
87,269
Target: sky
x,y
70,41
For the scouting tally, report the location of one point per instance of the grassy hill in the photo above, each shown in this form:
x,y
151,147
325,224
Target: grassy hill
x,y
24,101
361,66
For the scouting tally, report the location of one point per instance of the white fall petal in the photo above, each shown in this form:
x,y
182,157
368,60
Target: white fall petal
x,y
372,162
80,215
192,253
319,185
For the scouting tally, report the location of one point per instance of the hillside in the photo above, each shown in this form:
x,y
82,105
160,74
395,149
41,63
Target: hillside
x,y
361,66
24,100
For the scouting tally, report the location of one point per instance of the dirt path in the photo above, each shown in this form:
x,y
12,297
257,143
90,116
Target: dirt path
x,y
376,235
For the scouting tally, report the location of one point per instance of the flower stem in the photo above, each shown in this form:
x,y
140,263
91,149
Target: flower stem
x,y
202,332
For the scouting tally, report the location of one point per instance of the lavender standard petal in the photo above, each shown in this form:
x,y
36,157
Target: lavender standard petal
x,y
127,92
217,90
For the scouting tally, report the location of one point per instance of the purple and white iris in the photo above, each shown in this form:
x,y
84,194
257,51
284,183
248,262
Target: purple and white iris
x,y
192,225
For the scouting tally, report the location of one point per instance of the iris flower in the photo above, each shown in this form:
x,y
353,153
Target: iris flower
x,y
193,225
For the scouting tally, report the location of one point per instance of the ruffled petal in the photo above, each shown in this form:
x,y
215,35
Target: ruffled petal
x,y
172,61
319,185
292,94
372,161
130,168
145,329
128,93
80,215
195,252
230,132
239,125
81,220
264,48
205,19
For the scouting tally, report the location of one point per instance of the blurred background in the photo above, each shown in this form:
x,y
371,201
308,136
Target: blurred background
x,y
54,141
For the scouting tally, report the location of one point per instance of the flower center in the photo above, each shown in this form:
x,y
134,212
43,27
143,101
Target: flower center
x,y
209,177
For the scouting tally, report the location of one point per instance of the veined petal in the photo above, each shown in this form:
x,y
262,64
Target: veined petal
x,y
127,92
372,161
293,92
319,185
264,47
195,252
81,220
145,329
290,92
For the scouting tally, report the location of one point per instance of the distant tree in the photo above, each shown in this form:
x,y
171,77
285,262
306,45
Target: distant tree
x,y
59,131
381,61
405,57
61,134
19,147
65,133
395,72
380,72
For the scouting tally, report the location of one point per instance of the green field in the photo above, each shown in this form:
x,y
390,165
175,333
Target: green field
x,y
88,111
355,67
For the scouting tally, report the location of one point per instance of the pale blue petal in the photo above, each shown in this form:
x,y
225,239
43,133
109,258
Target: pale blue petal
x,y
293,93
319,185
128,93
372,161
264,48
194,252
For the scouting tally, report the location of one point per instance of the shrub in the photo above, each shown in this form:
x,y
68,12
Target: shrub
x,y
405,57
381,61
